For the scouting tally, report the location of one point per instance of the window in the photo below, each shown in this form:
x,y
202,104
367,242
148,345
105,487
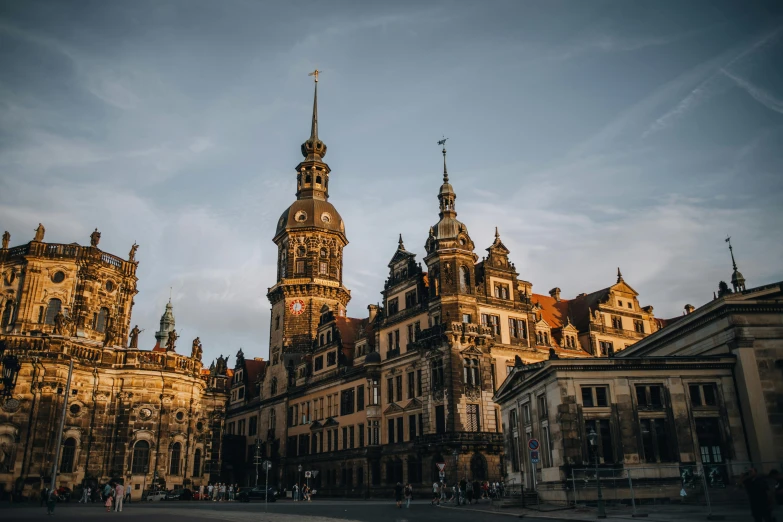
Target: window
x,y
546,446
517,328
197,463
68,454
470,369
360,397
273,386
398,387
514,430
241,427
252,426
350,436
52,308
464,280
300,266
708,434
329,412
604,445
440,419
654,441
360,430
421,424
638,326
703,394
411,427
526,414
345,437
437,373
473,423
375,392
418,383
400,431
617,322
331,358
390,341
8,313
606,347
649,397
323,268
493,321
595,396
141,457
410,299
411,384
411,337
389,390
394,306
543,408
397,340
501,291
390,431
319,362
466,318
347,401
176,451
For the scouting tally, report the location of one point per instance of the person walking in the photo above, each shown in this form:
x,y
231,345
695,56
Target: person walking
x,y
107,502
201,492
51,501
209,491
408,495
759,496
435,494
295,490
398,494
119,497
85,495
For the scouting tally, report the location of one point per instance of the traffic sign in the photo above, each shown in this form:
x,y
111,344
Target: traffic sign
x,y
315,473
308,474
534,457
441,466
532,444
267,465
442,474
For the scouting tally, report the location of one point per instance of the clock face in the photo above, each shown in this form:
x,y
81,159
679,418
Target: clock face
x,y
297,307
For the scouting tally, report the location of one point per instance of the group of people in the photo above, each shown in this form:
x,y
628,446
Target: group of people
x,y
465,491
112,495
765,493
303,492
218,492
401,491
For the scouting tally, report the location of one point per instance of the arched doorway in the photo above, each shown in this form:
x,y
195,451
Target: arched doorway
x,y
478,467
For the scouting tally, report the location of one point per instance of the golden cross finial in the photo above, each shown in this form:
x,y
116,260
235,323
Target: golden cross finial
x,y
315,73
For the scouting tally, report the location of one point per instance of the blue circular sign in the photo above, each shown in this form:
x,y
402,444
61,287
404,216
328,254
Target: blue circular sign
x,y
532,444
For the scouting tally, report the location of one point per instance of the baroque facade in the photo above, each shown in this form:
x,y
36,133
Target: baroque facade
x,y
368,402
131,414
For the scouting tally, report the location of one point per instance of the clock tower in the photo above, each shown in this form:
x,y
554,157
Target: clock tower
x,y
310,237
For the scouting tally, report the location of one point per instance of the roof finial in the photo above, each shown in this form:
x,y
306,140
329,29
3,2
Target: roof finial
x,y
497,234
731,250
314,126
619,275
737,279
445,172
400,245
170,290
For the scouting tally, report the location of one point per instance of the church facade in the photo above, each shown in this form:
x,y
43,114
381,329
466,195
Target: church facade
x,y
404,394
128,414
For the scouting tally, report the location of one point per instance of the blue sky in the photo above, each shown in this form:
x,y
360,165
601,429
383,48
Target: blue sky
x,y
593,134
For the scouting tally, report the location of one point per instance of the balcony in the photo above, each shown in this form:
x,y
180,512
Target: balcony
x,y
460,437
620,332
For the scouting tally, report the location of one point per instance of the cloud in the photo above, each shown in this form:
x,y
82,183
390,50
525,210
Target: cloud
x,y
758,94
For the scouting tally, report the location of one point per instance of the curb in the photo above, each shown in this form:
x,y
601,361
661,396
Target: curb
x,y
521,515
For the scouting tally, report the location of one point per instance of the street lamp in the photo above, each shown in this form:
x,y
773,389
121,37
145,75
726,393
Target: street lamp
x,y
592,437
299,483
10,372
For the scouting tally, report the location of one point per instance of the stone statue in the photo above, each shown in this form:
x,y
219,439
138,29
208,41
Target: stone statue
x,y
6,239
552,354
95,238
68,325
5,458
59,322
518,362
196,349
134,337
171,342
108,339
39,233
132,253
221,366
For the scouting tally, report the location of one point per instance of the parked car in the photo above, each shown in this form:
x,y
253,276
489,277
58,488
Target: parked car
x,y
257,493
64,494
174,494
154,496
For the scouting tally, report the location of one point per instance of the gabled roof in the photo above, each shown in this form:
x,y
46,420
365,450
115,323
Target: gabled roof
x,y
253,369
349,329
554,312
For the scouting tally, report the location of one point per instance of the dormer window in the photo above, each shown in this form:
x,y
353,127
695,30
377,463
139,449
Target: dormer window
x,y
394,306
501,291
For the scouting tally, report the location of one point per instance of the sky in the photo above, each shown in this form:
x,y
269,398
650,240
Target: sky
x,y
593,134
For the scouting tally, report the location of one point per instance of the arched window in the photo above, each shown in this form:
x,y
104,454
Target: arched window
x,y
100,321
272,419
464,280
274,387
52,309
318,180
308,179
471,372
322,339
176,453
197,463
69,452
478,466
141,457
283,262
8,313
328,337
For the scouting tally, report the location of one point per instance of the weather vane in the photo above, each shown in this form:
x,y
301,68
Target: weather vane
x,y
443,142
315,73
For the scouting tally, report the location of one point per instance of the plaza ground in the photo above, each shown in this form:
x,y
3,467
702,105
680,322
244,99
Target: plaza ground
x,y
345,510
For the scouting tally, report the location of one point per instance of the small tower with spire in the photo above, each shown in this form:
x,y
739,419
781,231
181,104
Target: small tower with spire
x,y
166,325
737,279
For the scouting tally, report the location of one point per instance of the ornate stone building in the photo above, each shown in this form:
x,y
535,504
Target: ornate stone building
x,y
131,414
367,402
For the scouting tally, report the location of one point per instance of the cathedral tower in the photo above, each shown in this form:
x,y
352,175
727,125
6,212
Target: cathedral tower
x,y
310,238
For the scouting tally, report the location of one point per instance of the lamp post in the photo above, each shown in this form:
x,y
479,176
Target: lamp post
x,y
10,371
299,483
456,475
592,437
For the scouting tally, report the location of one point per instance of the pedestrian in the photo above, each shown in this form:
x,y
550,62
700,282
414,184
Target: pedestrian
x,y
44,496
442,490
223,492
201,492
759,496
89,494
398,494
106,490
435,494
107,502
85,496
231,493
209,491
127,495
469,492
119,497
408,495
295,489
51,501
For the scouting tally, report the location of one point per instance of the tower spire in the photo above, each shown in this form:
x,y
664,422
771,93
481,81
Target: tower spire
x,y
400,246
619,275
314,149
314,125
445,171
737,279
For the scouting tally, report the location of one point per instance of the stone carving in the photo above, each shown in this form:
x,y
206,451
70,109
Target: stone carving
x,y
196,349
552,354
473,393
111,332
39,233
6,239
171,342
132,253
134,337
449,277
59,322
221,366
438,394
95,238
5,458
